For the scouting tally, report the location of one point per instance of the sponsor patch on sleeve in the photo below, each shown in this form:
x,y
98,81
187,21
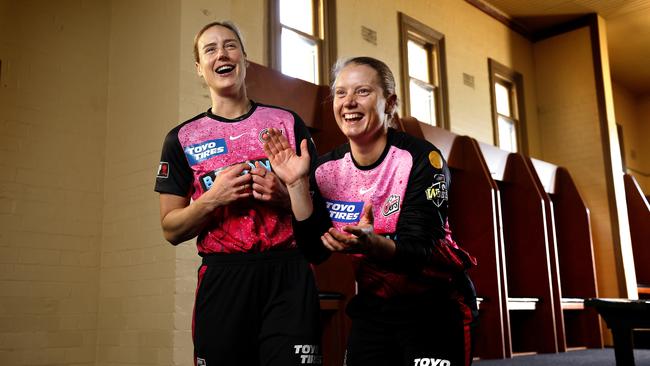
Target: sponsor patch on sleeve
x,y
163,170
437,192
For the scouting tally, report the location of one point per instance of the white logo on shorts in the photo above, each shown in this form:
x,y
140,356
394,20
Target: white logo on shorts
x,y
200,362
431,362
309,354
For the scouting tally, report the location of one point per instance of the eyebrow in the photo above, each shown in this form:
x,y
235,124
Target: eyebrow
x,y
215,43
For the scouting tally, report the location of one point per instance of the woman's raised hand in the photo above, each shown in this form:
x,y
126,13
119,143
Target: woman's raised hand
x,y
286,164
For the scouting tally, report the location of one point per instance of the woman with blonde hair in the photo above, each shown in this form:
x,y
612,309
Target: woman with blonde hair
x,y
256,300
382,199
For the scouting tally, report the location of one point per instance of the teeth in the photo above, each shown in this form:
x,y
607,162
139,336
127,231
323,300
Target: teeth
x,y
224,69
352,115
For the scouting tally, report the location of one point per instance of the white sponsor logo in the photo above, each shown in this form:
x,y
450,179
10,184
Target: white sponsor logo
x,y
365,190
200,362
309,354
344,211
431,362
233,138
205,150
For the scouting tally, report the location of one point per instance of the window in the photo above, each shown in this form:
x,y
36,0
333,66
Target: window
x,y
300,42
424,90
507,96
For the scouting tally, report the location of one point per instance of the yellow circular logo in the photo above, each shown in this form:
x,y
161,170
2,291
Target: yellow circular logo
x,y
435,159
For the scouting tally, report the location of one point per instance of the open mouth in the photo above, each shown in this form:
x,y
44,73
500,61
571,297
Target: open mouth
x,y
352,117
224,69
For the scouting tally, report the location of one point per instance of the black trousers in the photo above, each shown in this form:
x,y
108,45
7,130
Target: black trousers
x,y
256,309
418,330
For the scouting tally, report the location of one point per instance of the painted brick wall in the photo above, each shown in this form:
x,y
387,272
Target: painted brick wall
x,y
136,295
52,131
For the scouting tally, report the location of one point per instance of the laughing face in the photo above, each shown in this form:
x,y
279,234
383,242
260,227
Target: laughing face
x,y
359,103
222,62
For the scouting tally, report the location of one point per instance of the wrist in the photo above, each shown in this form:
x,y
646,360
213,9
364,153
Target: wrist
x,y
205,205
299,184
380,247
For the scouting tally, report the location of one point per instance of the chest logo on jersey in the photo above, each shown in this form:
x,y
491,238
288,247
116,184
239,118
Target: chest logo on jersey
x,y
438,193
341,211
207,179
391,205
263,135
200,152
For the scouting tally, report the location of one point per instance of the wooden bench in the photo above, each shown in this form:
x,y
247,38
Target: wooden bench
x,y
622,317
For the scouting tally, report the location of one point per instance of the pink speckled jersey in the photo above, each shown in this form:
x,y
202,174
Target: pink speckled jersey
x,y
347,189
407,188
197,150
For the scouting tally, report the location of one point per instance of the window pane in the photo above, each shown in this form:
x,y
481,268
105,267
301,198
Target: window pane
x,y
422,102
502,94
507,134
298,14
299,56
418,61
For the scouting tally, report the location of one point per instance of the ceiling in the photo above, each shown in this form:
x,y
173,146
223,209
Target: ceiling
x,y
628,30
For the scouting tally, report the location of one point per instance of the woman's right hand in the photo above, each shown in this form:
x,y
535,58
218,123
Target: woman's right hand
x,y
231,184
286,164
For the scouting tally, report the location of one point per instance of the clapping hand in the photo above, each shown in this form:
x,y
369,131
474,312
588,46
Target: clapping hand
x,y
288,166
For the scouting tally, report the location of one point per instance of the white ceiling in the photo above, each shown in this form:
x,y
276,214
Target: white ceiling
x,y
628,31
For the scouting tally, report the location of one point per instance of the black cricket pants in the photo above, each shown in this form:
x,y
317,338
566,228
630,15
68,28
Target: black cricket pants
x,y
256,309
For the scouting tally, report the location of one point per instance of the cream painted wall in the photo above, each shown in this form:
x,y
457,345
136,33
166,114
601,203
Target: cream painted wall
x,y
471,38
571,137
52,133
138,268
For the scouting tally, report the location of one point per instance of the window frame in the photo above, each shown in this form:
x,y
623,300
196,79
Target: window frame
x,y
412,29
324,36
515,80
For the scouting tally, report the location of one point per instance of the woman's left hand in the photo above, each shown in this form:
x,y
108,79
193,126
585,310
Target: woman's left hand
x,y
268,187
360,238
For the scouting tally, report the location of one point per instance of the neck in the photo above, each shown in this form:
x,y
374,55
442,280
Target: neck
x,y
230,105
368,152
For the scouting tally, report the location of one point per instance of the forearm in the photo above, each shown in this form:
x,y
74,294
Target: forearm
x,y
301,202
310,222
185,223
380,247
